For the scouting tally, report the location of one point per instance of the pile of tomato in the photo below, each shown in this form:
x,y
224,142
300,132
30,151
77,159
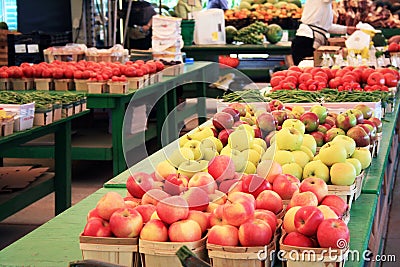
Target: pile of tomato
x,y
95,71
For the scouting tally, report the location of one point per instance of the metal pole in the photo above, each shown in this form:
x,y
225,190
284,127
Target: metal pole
x,y
115,22
128,12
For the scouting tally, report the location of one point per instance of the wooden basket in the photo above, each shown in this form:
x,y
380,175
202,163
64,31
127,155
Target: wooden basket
x,y
135,82
359,183
162,254
6,127
22,84
377,144
118,87
123,251
311,257
81,85
96,87
43,117
43,84
5,84
63,84
236,256
346,192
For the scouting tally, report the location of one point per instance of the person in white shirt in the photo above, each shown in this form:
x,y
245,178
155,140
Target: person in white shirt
x,y
316,23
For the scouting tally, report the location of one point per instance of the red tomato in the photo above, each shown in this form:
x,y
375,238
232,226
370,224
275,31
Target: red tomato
x,y
78,74
3,74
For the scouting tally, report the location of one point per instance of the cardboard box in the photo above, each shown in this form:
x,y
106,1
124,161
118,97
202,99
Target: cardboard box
x,y
25,114
43,117
337,41
331,50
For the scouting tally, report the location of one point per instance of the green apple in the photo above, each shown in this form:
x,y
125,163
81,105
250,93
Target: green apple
x,y
249,120
208,153
240,140
295,123
261,142
363,155
207,143
194,145
270,152
356,163
342,173
190,167
226,151
298,111
289,139
249,168
301,157
183,140
293,169
309,141
246,127
180,155
201,134
308,151
251,155
332,153
316,168
218,144
257,148
238,160
321,112
283,157
346,142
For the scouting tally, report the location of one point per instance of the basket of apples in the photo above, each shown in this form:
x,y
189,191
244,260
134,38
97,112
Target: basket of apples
x,y
111,232
313,240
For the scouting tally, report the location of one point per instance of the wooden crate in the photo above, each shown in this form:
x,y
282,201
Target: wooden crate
x,y
22,84
5,84
311,257
44,84
118,87
63,84
123,251
135,82
162,254
230,256
81,85
97,87
346,192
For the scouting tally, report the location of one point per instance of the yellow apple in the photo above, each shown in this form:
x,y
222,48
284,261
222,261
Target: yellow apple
x,y
301,158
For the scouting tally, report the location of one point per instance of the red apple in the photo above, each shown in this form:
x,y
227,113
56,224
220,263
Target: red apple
x,y
221,167
126,222
255,233
280,116
153,196
367,111
307,219
98,227
225,185
154,230
275,105
172,209
303,199
319,138
266,122
237,212
138,183
222,120
241,197
268,217
345,121
336,203
359,135
285,185
196,198
269,200
310,120
234,112
254,184
223,235
203,180
92,214
223,135
146,211
269,169
298,240
109,203
176,183
333,233
378,124
184,231
239,107
216,216
200,217
316,186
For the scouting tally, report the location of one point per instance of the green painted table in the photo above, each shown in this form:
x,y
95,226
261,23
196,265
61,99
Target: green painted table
x,y
60,184
162,93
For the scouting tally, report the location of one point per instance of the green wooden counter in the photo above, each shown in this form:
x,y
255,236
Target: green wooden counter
x,y
163,93
56,243
60,184
374,175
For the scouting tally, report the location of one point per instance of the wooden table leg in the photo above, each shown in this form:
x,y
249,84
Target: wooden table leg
x,y
62,157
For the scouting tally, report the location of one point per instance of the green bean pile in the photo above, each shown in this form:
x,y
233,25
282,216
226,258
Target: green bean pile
x,y
245,96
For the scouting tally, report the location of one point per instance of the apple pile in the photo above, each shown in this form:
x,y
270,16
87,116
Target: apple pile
x,y
314,218
349,78
242,222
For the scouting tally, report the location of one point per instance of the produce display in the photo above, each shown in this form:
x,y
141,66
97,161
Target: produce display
x,y
252,34
244,177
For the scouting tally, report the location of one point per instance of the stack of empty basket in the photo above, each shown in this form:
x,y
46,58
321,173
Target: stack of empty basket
x,y
167,39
